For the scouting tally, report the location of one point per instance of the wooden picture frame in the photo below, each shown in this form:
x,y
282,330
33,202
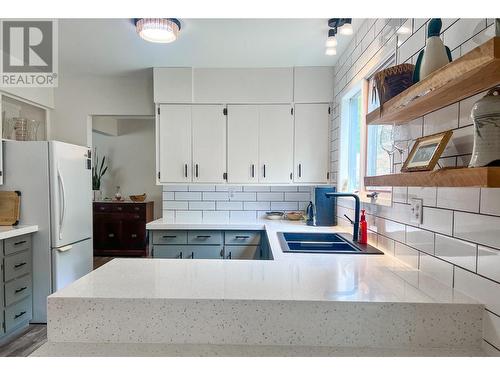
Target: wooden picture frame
x,y
426,152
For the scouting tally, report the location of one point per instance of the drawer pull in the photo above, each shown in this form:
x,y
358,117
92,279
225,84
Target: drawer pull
x,y
111,235
19,243
19,265
180,255
230,255
170,236
119,208
133,235
192,254
136,208
242,237
204,236
20,289
19,315
102,208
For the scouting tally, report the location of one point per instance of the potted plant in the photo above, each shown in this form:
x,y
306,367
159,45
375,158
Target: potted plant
x,y
98,170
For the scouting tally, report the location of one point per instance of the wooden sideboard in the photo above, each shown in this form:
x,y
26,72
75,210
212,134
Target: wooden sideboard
x,y
120,228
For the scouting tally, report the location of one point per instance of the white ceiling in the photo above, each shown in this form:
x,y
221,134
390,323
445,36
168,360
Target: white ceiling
x,y
111,46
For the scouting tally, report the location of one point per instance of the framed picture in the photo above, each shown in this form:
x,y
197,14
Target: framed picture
x,y
426,152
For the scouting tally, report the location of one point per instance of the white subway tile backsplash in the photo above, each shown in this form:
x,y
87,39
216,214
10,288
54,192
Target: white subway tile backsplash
x,y
168,195
270,196
187,196
478,39
199,187
462,30
428,194
460,143
411,46
490,201
456,251
175,188
437,220
465,199
478,228
437,269
284,188
406,255
168,216
215,216
228,188
418,23
188,217
175,205
216,196
466,108
256,206
297,197
399,194
203,205
420,239
488,262
284,206
479,288
443,119
245,196
256,188
385,244
225,205
491,328
391,229
242,216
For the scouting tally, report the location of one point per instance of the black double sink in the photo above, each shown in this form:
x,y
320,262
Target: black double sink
x,y
322,243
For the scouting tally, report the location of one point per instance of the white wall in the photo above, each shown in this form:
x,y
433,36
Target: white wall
x,y
131,160
78,97
458,242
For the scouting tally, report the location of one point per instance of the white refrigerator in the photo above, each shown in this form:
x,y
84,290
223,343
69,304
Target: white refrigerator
x,y
55,180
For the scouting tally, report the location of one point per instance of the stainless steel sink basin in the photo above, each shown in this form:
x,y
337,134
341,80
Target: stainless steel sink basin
x,y
322,243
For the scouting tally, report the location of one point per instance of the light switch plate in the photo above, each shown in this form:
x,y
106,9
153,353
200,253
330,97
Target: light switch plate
x,y
416,210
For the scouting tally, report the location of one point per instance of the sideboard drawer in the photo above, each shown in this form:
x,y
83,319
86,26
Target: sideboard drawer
x,y
242,237
18,313
17,265
204,237
162,237
17,289
16,244
102,207
136,208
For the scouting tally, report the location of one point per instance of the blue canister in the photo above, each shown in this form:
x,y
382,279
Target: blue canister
x,y
326,208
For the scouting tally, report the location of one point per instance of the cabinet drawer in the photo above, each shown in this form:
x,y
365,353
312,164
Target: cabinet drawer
x,y
242,238
139,209
187,252
17,289
17,265
17,314
169,237
242,252
204,237
15,244
102,207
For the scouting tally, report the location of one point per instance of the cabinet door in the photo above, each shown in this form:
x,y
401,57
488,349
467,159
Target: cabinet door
x,y
107,232
242,252
209,143
175,143
275,143
311,148
242,143
133,234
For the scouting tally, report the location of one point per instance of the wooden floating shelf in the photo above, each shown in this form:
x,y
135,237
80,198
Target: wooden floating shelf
x,y
476,71
453,177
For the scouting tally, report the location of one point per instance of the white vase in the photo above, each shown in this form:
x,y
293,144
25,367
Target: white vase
x,y
486,116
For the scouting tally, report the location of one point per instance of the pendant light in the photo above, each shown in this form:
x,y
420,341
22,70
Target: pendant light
x,y
331,41
158,30
346,28
330,51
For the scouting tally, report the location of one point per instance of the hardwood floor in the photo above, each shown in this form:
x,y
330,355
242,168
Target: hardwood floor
x,y
99,261
26,343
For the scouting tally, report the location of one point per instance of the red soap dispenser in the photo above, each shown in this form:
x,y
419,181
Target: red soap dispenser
x,y
363,229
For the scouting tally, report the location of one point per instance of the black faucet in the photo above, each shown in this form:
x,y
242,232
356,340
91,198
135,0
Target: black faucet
x,y
356,211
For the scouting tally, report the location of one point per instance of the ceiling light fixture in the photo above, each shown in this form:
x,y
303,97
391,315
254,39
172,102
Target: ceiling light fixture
x,y
331,41
344,25
158,30
330,51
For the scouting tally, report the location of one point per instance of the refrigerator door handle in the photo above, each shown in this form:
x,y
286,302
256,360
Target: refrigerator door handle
x,y
64,248
63,203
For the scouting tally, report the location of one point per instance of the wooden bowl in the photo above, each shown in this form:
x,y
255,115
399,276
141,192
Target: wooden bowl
x,y
138,198
295,215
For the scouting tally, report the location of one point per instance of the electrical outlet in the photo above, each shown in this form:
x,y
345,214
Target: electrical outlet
x,y
416,210
230,190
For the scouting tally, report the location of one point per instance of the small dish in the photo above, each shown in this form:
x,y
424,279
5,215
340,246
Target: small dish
x,y
275,215
295,215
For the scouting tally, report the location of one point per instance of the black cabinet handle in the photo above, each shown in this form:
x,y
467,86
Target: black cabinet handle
x,y
253,170
180,255
230,256
192,254
204,236
241,237
169,236
185,170
196,170
264,175
20,265
20,289
19,315
300,170
19,243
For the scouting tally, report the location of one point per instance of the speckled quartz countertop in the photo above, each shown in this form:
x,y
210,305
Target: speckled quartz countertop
x,y
8,231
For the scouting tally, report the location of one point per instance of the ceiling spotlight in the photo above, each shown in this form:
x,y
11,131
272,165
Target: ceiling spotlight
x,y
330,51
158,30
344,25
331,41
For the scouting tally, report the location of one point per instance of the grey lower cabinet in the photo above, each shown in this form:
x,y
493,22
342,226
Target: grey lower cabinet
x,y
209,244
15,283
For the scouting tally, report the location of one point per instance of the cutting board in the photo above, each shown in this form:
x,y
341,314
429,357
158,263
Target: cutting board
x,y
10,203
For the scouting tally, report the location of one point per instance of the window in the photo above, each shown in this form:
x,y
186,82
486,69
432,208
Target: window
x,y
364,150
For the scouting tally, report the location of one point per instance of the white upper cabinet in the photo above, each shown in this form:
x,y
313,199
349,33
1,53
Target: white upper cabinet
x,y
275,144
242,143
311,147
243,85
173,85
209,143
313,84
174,133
